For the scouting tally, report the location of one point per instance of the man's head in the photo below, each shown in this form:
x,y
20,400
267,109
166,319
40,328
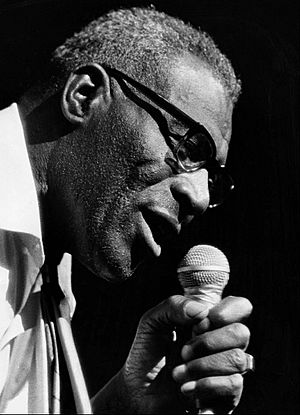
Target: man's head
x,y
143,42
115,191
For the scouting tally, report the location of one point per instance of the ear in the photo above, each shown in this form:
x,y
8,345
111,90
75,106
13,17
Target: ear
x,y
86,87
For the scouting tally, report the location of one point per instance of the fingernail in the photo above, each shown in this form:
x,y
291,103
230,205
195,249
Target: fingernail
x,y
194,309
187,352
188,387
179,372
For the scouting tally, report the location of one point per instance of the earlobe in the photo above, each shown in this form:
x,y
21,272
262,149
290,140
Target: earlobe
x,y
88,85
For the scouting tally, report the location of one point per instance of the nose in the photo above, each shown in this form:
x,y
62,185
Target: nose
x,y
191,192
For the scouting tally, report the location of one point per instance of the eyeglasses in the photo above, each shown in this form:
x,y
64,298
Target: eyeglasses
x,y
194,150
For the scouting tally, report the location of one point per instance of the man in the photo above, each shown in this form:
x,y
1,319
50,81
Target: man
x,y
117,167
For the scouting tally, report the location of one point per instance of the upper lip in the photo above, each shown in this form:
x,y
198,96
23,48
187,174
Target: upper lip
x,y
163,225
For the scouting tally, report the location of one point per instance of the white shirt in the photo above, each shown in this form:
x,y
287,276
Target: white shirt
x,y
29,368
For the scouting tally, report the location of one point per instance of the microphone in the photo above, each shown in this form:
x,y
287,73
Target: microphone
x,y
203,273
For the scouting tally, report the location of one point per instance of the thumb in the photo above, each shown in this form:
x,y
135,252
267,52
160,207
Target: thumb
x,y
175,311
154,334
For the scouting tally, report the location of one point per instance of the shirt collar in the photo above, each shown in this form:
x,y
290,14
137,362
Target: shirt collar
x,y
19,210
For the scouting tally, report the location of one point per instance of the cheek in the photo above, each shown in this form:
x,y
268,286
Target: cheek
x,y
147,140
140,148
222,151
155,143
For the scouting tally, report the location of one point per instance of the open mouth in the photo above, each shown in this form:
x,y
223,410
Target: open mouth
x,y
164,228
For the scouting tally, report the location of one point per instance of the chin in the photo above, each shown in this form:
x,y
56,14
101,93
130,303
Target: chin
x,y
115,271
116,260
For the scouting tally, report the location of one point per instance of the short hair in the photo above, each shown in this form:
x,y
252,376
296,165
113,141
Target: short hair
x,y
141,42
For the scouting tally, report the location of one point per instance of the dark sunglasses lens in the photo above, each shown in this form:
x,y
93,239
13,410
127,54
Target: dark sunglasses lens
x,y
195,150
220,184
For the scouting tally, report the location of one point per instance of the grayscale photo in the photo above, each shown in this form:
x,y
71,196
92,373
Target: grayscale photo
x,y
149,206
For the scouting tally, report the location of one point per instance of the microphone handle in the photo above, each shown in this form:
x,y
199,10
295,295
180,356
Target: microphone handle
x,y
203,274
209,295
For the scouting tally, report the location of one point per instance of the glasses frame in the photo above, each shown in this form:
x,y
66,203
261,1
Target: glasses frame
x,y
177,113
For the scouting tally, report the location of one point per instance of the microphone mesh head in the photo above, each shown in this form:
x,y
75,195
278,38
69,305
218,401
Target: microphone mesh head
x,y
203,264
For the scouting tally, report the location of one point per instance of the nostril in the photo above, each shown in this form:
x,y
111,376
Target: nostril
x,y
184,202
192,196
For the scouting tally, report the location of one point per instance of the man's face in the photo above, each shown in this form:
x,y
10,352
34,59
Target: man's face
x,y
119,201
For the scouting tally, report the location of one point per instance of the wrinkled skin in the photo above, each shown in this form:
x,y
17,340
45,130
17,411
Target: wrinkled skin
x,y
212,361
110,185
110,190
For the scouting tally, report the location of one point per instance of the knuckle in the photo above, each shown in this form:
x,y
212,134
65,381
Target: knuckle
x,y
146,316
238,359
174,300
240,332
207,383
206,342
162,315
236,383
171,301
221,316
185,306
173,304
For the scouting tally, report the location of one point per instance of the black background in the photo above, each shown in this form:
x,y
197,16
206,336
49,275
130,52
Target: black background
x,y
257,228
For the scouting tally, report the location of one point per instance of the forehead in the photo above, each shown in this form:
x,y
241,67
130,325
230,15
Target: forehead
x,y
196,91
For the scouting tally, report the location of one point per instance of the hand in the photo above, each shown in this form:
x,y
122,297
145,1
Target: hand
x,y
211,366
215,359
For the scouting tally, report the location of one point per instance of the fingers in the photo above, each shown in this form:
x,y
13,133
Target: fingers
x,y
235,335
219,364
176,310
229,310
222,392
215,359
179,310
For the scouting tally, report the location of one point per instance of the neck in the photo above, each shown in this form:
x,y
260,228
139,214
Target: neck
x,y
44,126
